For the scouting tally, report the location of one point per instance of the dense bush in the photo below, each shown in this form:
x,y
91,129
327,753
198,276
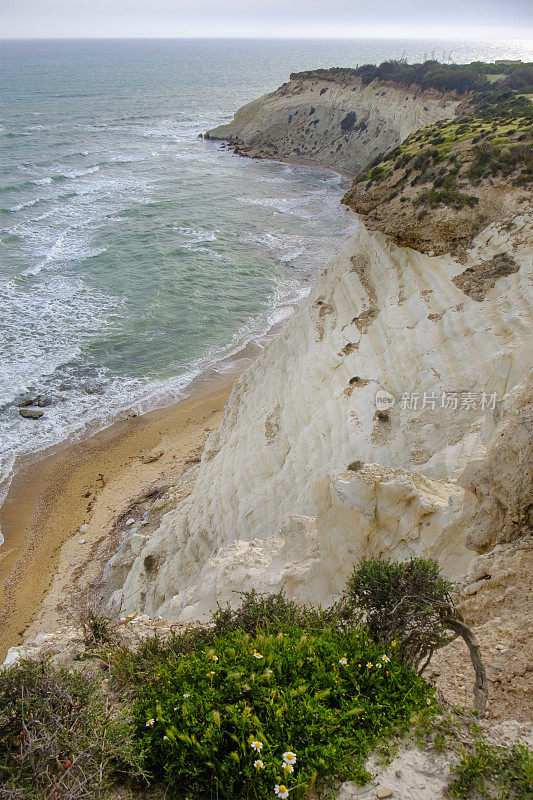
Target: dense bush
x,y
402,602
58,738
348,121
448,195
490,161
327,696
269,613
521,79
499,104
378,173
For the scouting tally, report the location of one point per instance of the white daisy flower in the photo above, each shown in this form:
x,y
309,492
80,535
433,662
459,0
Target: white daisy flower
x,y
259,764
185,696
289,757
288,767
386,659
215,658
428,701
343,661
150,722
369,665
257,746
378,665
281,791
257,655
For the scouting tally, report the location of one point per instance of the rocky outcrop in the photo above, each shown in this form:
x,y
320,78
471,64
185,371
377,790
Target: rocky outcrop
x,y
337,124
352,435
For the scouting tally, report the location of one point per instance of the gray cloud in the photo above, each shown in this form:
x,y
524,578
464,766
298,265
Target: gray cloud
x,y
470,18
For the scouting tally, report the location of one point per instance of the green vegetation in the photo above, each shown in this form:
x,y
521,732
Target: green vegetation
x,y
450,159
96,626
448,195
218,721
432,74
349,121
402,602
495,159
491,140
490,773
59,738
270,697
378,173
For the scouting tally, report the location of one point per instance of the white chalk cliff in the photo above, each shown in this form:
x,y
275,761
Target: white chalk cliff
x,y
306,475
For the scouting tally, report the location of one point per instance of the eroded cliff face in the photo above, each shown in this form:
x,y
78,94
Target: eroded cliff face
x,y
309,471
342,125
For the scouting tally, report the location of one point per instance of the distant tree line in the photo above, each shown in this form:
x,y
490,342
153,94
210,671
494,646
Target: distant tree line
x,y
433,75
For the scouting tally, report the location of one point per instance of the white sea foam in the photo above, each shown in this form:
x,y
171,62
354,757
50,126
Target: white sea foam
x,y
54,318
197,235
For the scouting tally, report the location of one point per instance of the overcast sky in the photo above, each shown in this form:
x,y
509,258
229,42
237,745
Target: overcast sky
x,y
320,18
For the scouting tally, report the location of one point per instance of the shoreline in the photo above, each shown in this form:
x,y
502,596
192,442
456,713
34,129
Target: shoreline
x,y
45,560
255,153
92,484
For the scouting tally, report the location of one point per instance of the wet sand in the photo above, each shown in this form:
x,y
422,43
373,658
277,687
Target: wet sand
x,y
92,483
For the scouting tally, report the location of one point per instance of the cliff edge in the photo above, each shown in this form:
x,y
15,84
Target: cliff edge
x,y
392,417
339,124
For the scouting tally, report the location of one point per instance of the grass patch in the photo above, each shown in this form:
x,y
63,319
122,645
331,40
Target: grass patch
x,y
490,773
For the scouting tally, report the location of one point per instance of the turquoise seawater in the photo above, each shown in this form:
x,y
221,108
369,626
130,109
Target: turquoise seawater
x,y
133,254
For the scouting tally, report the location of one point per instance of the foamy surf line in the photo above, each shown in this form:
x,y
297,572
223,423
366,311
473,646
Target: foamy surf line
x,y
209,369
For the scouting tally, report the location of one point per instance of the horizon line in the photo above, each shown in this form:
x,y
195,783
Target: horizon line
x,y
280,37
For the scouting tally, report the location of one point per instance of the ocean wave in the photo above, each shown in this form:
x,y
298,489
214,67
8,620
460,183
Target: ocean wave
x,y
283,205
47,326
197,235
14,134
27,204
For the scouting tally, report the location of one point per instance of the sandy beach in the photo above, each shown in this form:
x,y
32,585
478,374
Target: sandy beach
x,y
94,485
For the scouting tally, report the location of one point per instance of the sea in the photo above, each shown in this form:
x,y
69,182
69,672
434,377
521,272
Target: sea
x,y
135,255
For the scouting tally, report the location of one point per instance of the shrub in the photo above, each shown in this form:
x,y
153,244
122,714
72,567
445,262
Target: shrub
x,y
490,161
521,79
96,626
318,694
448,194
57,737
402,602
496,773
349,121
270,613
378,173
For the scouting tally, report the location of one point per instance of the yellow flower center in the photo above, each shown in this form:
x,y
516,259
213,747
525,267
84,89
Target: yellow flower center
x,y
282,788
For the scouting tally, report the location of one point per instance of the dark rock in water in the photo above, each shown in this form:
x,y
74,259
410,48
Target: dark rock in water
x,y
27,401
31,413
38,400
96,389
200,136
85,371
